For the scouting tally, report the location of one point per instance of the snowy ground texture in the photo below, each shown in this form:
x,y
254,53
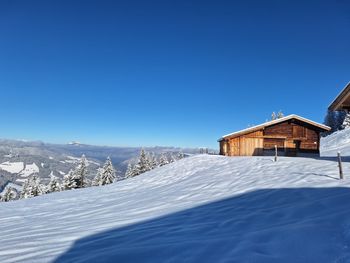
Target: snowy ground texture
x,y
199,209
338,141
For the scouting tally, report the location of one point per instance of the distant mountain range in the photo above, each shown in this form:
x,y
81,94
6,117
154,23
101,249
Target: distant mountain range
x,y
20,159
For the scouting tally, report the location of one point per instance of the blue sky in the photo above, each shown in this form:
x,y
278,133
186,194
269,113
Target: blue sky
x,y
179,73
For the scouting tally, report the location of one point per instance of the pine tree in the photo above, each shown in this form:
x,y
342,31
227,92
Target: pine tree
x,y
136,170
54,185
25,193
335,119
69,181
80,173
172,158
32,187
346,122
273,116
129,171
106,174
163,160
280,115
8,195
143,164
180,155
152,161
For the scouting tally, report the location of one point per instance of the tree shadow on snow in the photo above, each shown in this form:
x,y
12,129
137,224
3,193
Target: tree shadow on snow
x,y
270,225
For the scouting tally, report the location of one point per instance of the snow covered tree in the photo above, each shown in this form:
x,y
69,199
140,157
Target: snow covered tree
x,y
152,161
32,187
8,195
80,173
346,122
172,158
163,160
69,181
129,171
106,174
280,115
180,155
335,119
143,165
54,185
273,116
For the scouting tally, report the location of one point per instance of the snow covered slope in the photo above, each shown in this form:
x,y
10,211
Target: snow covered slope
x,y
200,209
338,141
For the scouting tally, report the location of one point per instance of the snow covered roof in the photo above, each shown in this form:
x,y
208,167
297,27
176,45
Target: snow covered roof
x,y
340,99
273,122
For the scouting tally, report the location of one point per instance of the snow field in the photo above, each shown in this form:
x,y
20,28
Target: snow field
x,y
199,209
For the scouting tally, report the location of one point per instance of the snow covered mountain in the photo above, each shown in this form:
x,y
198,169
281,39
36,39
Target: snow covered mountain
x,y
20,159
337,141
200,209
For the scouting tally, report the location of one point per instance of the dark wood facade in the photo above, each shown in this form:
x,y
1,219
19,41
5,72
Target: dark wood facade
x,y
291,134
342,101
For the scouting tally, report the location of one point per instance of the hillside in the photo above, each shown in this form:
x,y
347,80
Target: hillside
x,y
20,159
200,209
338,141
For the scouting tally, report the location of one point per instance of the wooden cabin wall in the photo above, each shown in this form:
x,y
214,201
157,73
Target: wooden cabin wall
x,y
295,131
288,136
247,145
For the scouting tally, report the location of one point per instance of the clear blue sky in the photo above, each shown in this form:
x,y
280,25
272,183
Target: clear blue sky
x,y
179,73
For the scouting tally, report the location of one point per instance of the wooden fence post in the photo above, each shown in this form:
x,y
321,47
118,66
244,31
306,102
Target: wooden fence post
x,y
341,176
275,153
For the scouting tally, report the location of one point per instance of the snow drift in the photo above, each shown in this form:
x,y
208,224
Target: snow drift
x,y
200,209
337,141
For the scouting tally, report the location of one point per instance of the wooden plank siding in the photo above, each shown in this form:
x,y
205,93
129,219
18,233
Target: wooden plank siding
x,y
292,137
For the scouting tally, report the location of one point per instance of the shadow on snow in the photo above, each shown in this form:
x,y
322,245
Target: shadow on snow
x,y
271,225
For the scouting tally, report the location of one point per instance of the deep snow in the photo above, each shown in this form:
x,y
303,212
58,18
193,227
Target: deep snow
x,y
199,209
337,141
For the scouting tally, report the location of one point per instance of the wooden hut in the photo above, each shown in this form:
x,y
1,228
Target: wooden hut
x,y
342,101
292,134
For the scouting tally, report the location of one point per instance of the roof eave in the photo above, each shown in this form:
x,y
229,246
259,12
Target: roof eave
x,y
335,103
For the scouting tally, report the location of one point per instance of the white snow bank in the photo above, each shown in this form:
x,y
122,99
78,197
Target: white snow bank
x,y
29,170
200,209
338,141
14,167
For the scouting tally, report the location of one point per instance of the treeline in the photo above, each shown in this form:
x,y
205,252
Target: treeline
x,y
77,178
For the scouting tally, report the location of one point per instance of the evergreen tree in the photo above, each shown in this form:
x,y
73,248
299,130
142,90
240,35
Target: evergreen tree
x,y
180,155
280,115
8,195
80,173
143,164
69,181
346,122
172,158
136,170
32,187
54,185
335,119
129,171
152,161
273,116
106,174
163,160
